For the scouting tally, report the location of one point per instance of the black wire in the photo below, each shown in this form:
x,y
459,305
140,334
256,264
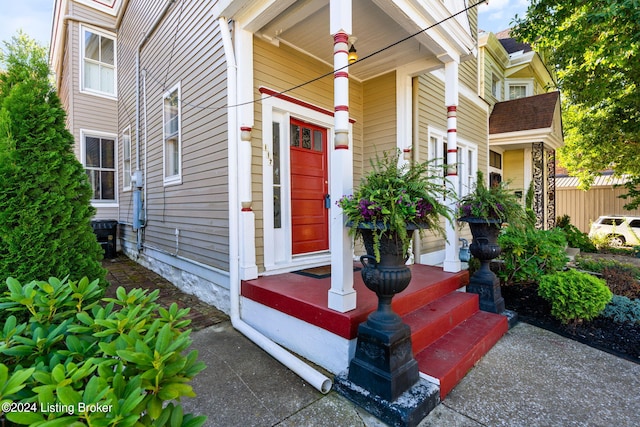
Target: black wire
x,y
331,73
173,46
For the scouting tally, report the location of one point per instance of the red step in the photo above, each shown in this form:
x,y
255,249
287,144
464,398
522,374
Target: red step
x,y
456,352
430,322
417,296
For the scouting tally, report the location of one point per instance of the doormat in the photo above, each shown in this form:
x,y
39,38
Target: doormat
x,y
319,272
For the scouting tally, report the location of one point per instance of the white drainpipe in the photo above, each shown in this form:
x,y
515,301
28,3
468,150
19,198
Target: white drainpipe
x,y
306,372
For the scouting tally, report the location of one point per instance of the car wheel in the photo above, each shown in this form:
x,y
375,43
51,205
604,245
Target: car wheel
x,y
616,241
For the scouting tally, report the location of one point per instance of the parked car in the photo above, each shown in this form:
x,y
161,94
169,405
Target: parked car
x,y
619,230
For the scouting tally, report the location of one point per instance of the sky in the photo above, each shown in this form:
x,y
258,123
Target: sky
x,y
497,15
35,17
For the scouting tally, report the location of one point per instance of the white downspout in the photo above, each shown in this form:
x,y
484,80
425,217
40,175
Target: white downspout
x,y
306,372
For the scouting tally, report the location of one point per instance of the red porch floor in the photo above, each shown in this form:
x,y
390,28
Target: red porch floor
x,y
305,298
449,333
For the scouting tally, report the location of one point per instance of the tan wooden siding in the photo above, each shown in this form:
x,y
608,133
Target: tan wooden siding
x,y
87,112
468,72
186,48
472,127
380,132
513,168
584,207
280,68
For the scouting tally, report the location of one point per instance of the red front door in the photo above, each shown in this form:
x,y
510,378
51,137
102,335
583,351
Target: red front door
x,y
309,188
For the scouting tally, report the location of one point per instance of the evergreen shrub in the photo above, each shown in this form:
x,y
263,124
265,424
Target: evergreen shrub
x,y
574,295
623,310
45,195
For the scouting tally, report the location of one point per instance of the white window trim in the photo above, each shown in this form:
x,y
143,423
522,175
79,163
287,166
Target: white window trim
x,y
499,85
106,6
466,177
173,179
437,152
126,137
467,167
528,83
102,33
83,134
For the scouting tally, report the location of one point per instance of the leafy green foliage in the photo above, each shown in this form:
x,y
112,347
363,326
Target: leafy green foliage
x,y
595,49
575,238
111,361
45,210
529,253
598,265
623,310
496,202
574,295
393,196
621,278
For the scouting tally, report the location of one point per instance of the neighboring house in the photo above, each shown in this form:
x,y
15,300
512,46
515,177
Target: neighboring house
x,y
584,207
84,59
525,126
235,137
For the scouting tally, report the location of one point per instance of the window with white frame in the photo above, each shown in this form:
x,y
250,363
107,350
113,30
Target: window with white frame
x,y
467,158
100,165
98,64
126,158
519,88
172,139
438,150
517,91
495,86
467,166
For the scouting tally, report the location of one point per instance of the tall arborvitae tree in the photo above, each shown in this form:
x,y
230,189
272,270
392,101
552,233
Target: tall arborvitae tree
x,y
45,209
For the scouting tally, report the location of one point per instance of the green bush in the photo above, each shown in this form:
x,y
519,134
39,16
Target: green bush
x,y
45,196
574,295
623,310
575,237
126,355
528,253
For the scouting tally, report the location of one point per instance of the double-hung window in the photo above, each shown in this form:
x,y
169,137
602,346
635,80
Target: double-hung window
x,y
172,138
98,63
100,165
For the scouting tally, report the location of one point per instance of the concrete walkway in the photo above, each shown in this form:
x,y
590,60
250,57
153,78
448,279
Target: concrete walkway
x,y
532,377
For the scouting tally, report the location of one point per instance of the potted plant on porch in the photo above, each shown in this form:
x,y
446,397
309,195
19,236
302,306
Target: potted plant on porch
x,y
393,200
485,209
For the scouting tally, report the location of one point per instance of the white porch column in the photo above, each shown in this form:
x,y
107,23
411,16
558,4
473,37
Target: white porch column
x,y
342,297
451,257
244,49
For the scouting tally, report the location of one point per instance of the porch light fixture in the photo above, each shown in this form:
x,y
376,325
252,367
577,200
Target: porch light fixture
x,y
353,54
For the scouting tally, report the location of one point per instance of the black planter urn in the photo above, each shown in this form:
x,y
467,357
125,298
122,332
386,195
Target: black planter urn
x,y
485,247
384,363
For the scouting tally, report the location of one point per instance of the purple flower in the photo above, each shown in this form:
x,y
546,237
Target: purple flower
x,y
368,209
423,208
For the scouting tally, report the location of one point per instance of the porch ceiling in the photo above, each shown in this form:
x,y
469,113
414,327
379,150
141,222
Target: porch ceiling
x,y
304,25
